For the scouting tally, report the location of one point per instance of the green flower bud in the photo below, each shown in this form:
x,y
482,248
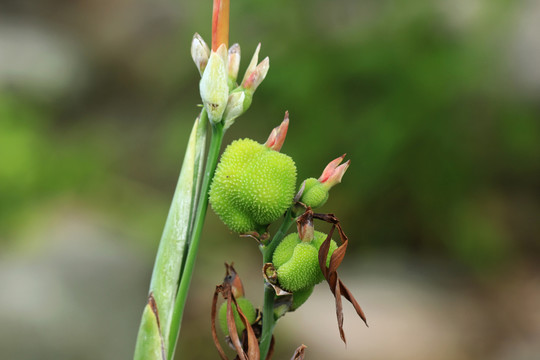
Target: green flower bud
x,y
247,308
253,185
316,191
214,86
199,52
239,101
297,262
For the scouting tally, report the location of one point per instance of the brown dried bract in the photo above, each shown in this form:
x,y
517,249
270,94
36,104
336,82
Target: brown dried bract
x,y
299,353
270,276
248,347
330,272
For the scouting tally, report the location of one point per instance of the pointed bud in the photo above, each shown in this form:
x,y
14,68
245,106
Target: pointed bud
x,y
256,77
252,64
213,86
200,52
234,62
316,191
333,173
277,136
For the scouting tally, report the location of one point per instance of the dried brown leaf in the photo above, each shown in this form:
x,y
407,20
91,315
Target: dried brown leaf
x,y
253,352
270,276
348,295
233,332
246,348
299,353
214,333
330,272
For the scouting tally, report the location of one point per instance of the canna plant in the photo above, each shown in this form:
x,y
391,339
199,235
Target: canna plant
x,y
253,186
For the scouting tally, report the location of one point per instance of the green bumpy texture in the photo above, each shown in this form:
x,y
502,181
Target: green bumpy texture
x,y
253,186
300,297
297,262
315,194
247,309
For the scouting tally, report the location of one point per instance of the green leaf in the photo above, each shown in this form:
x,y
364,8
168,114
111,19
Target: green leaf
x,y
174,241
149,341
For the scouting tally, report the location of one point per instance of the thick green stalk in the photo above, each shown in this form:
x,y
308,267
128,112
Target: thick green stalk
x,y
268,250
185,280
173,243
268,320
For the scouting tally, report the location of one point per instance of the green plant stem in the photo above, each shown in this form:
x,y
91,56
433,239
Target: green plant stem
x,y
268,321
268,250
185,280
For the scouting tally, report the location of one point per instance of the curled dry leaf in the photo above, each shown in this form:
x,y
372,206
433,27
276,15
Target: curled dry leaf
x,y
246,348
259,238
270,276
299,353
337,286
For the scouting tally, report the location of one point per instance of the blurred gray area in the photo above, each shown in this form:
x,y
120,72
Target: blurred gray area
x,y
435,102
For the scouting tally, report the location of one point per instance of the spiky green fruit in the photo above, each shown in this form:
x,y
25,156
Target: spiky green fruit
x,y
300,297
315,193
297,262
247,308
253,186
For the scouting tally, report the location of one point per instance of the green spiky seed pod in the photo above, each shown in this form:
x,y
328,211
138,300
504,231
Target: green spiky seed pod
x,y
315,194
253,186
300,297
297,262
247,309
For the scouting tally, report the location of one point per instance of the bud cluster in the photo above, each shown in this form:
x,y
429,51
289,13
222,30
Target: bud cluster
x,y
223,99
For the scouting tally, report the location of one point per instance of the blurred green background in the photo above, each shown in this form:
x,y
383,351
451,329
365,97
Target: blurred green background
x,y
436,103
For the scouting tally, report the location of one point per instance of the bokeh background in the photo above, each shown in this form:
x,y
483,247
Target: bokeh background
x,y
436,103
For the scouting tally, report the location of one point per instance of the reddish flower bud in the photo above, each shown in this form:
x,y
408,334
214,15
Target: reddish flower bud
x,y
316,191
255,74
333,173
277,136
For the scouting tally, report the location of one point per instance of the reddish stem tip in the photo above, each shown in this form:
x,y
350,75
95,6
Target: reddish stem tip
x,y
220,24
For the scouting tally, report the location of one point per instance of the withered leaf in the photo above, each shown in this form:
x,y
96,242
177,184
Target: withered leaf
x,y
270,276
214,333
299,353
246,348
330,272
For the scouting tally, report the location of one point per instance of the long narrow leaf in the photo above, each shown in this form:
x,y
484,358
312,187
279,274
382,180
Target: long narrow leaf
x,y
174,241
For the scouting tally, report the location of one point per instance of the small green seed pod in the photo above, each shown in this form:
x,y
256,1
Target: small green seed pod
x,y
253,186
297,262
246,307
315,194
316,191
